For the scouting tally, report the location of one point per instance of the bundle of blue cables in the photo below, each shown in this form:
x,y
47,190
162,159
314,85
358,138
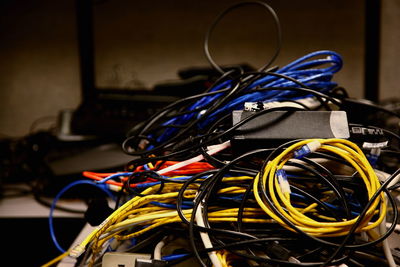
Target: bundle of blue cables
x,y
314,70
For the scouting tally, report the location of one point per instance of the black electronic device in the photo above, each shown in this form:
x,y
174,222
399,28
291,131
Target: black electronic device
x,y
112,113
274,128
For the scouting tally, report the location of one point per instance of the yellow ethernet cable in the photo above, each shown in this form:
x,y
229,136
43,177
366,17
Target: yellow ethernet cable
x,y
280,196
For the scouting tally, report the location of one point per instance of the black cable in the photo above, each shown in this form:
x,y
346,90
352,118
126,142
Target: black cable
x,y
352,246
228,10
228,131
316,200
182,190
302,233
395,186
235,88
336,186
250,256
148,241
331,157
302,89
48,204
209,189
242,207
346,246
14,191
202,197
371,257
262,259
342,92
141,176
363,213
373,106
161,113
37,195
120,194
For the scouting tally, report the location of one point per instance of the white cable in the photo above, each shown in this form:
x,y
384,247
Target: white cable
x,y
211,150
386,246
158,247
205,238
383,176
382,227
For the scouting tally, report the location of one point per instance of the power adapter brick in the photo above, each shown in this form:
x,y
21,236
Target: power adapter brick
x,y
277,127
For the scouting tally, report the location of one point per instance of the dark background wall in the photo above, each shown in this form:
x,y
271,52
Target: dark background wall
x,y
141,43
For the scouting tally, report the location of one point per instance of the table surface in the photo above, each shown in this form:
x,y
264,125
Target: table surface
x,y
25,206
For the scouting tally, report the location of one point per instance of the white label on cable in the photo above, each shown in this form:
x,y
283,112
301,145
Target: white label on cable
x,y
368,145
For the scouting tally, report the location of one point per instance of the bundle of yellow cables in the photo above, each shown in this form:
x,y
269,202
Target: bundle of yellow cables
x,y
139,211
279,190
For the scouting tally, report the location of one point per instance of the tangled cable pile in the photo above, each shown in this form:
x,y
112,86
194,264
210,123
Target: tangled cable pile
x,y
187,120
257,203
308,202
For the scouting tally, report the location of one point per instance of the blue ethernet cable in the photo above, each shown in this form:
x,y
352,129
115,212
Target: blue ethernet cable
x,y
181,120
113,176
174,257
103,187
307,70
